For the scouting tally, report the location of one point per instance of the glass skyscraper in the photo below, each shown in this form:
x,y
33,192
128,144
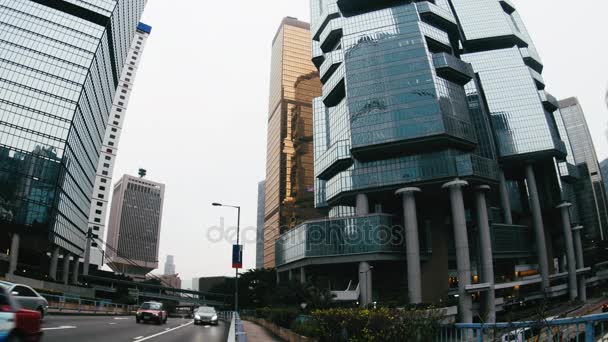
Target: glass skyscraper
x,y
60,63
439,155
259,239
294,82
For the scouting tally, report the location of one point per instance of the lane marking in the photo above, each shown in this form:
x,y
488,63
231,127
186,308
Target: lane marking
x,y
162,332
112,323
60,328
122,318
138,337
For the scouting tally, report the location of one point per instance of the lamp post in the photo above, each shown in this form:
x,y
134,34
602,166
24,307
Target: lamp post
x,y
238,228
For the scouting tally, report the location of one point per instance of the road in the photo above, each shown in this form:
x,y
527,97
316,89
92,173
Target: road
x,y
124,329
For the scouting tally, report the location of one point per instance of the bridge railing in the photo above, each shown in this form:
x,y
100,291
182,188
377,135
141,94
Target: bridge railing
x,y
237,330
593,328
65,304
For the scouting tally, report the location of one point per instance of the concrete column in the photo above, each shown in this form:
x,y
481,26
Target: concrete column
x,y
539,228
362,205
580,263
278,277
75,270
567,230
54,261
505,202
485,242
87,253
290,274
412,244
66,268
14,256
461,242
365,284
302,275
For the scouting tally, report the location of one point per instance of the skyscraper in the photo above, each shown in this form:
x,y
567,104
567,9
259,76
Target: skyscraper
x,y
294,82
590,192
134,227
438,155
60,63
259,240
169,265
109,148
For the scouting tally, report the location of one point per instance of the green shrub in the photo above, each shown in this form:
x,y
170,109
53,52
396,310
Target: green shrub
x,y
282,317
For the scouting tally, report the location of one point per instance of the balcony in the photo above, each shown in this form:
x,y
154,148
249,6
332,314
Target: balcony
x,y
331,64
331,35
531,59
508,6
342,237
549,101
317,54
453,69
538,79
329,12
437,37
335,160
334,89
437,16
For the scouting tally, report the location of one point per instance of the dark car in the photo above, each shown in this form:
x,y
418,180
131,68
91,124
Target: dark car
x,y
605,308
205,315
17,324
151,312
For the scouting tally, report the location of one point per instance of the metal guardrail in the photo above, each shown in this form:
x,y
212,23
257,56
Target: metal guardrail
x,y
65,304
593,328
237,331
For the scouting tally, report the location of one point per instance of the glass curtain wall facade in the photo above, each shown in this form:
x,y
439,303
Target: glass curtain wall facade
x,y
590,192
294,82
109,149
437,151
59,67
134,226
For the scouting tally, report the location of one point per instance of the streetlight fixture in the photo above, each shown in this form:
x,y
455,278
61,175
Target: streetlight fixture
x,y
238,227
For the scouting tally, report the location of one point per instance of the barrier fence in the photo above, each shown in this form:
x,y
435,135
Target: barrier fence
x,y
63,304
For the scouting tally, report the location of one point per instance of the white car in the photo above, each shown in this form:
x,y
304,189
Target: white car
x,y
27,297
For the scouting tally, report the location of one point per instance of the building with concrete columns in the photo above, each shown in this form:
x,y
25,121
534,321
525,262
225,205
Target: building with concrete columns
x,y
60,66
441,158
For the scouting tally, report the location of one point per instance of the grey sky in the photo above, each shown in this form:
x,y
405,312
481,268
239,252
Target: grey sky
x,y
197,116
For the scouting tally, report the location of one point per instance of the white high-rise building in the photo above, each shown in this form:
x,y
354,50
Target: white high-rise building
x,y
170,265
105,167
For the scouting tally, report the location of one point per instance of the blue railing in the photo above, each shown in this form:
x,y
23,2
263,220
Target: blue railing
x,y
592,328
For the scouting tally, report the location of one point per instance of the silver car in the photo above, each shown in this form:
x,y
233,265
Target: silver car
x,y
27,297
205,315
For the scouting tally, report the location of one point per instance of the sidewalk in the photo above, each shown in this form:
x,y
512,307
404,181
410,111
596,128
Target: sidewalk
x,y
256,333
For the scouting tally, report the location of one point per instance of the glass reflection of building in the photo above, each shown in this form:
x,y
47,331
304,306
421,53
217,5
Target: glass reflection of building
x,y
434,121
59,67
294,82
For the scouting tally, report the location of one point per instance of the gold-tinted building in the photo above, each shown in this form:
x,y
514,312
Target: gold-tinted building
x,y
294,82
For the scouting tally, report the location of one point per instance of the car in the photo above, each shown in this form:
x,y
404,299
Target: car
x,y
17,324
205,315
605,307
151,312
27,297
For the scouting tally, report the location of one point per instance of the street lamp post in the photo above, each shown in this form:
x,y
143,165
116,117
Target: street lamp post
x,y
238,228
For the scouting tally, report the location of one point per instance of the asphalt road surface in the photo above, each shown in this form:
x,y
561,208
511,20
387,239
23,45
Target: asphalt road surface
x,y
124,329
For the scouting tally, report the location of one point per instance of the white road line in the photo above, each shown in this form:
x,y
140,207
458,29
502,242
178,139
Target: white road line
x,y
162,332
122,318
138,337
112,323
60,328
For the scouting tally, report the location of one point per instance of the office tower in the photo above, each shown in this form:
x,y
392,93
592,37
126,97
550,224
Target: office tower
x,y
589,189
60,63
169,265
195,284
294,82
134,226
439,157
109,148
259,240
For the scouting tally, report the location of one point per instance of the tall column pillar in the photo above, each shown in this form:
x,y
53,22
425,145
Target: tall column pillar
x,y
14,256
539,228
412,244
362,205
76,264
66,268
87,253
365,284
505,202
278,274
461,242
302,275
54,261
290,274
580,263
485,242
567,230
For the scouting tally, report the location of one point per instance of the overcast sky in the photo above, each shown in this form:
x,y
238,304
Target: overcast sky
x,y
197,117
